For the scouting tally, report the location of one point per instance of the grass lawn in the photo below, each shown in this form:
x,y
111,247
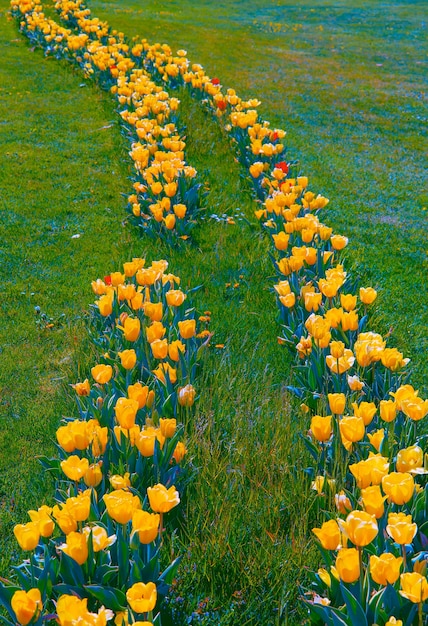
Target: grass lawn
x,y
346,83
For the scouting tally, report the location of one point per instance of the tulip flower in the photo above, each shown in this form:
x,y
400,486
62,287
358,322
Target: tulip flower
x,y
352,428
385,569
399,487
76,547
27,535
27,605
367,295
142,597
146,525
365,410
74,467
410,460
371,471
121,505
321,427
388,410
328,535
414,587
102,373
187,329
401,528
128,358
348,565
373,501
337,403
162,499
361,527
126,411
180,452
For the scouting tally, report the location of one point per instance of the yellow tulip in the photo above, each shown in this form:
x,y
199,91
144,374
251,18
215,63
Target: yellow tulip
x,y
388,410
410,459
159,348
27,605
348,565
74,467
361,527
146,525
376,438
121,505
187,328
371,471
337,403
131,328
414,587
76,547
401,528
367,295
352,428
373,500
328,535
139,393
385,568
321,427
162,499
399,487
128,359
126,411
365,410
102,373
142,597
186,395
27,535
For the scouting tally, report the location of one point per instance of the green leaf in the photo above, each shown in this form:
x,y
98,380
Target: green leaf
x,y
6,593
112,598
355,610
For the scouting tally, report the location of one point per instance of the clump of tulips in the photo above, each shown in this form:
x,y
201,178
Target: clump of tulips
x,y
166,194
95,553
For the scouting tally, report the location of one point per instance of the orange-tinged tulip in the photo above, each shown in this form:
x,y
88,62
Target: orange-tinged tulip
x,y
365,410
337,403
142,598
79,507
187,329
174,349
93,476
128,359
131,433
140,393
168,427
401,528
102,373
361,527
367,295
126,411
74,467
156,330
371,471
180,210
27,605
352,428
186,395
414,587
348,565
121,505
328,535
82,389
153,310
27,535
71,610
159,348
343,503
385,569
165,370
288,301
146,440
170,221
180,452
373,501
393,359
105,304
334,317
175,297
146,525
321,427
339,366
131,328
313,301
349,321
388,410
76,547
283,288
162,499
399,487
281,240
337,349
410,460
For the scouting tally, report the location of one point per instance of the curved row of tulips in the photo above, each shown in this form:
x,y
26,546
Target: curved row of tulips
x,y
362,434
98,551
349,381
166,193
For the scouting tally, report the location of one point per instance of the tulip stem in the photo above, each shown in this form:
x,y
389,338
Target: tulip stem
x,y
403,549
420,613
360,558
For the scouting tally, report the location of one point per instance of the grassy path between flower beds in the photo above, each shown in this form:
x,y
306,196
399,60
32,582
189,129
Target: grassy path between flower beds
x,y
243,482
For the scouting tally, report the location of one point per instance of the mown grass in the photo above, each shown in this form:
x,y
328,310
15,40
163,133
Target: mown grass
x,y
247,515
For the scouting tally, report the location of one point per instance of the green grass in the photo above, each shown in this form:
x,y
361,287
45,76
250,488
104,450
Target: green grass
x,y
355,127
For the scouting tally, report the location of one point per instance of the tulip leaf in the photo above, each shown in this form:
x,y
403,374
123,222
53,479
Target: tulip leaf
x,y
112,598
355,610
71,571
6,593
